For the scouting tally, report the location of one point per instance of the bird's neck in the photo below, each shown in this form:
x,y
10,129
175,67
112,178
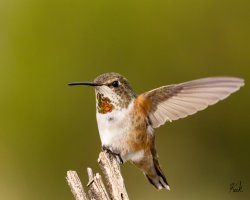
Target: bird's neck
x,y
105,104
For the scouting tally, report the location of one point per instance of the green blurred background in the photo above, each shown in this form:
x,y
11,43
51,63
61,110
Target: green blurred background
x,y
48,128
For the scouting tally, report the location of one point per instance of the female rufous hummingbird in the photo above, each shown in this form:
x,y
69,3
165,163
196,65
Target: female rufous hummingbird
x,y
126,121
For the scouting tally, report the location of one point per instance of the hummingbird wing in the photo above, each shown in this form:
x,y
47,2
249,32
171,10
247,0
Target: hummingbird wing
x,y
177,101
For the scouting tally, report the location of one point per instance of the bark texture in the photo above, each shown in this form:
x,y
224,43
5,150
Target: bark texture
x,y
110,167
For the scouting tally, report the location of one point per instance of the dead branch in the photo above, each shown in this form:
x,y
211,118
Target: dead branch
x,y
76,186
96,188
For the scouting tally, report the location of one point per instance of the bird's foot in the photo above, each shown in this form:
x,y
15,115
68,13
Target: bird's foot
x,y
116,155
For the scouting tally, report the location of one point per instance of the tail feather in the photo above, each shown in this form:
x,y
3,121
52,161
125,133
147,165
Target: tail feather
x,y
164,184
158,180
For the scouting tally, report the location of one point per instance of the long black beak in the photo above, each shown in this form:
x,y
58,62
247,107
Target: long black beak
x,y
85,83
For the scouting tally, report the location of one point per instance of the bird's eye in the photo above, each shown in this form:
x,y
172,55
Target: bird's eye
x,y
115,84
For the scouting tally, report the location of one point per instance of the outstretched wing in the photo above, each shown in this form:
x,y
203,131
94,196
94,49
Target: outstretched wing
x,y
177,101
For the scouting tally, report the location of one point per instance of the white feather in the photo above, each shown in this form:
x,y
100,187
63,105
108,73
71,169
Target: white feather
x,y
113,127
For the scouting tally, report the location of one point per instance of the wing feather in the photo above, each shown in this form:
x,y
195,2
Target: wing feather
x,y
173,102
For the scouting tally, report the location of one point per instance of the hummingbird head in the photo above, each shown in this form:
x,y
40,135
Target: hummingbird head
x,y
112,92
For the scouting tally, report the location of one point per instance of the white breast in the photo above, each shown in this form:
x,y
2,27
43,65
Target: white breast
x,y
113,127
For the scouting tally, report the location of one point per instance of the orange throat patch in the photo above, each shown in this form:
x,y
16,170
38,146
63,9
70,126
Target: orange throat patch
x,y
104,104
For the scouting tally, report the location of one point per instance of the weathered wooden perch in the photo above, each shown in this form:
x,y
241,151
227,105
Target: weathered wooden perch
x,y
96,188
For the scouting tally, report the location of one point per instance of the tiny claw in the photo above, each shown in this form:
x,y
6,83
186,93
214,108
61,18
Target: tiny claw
x,y
116,155
119,158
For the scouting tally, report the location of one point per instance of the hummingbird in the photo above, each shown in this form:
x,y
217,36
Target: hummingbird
x,y
126,121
